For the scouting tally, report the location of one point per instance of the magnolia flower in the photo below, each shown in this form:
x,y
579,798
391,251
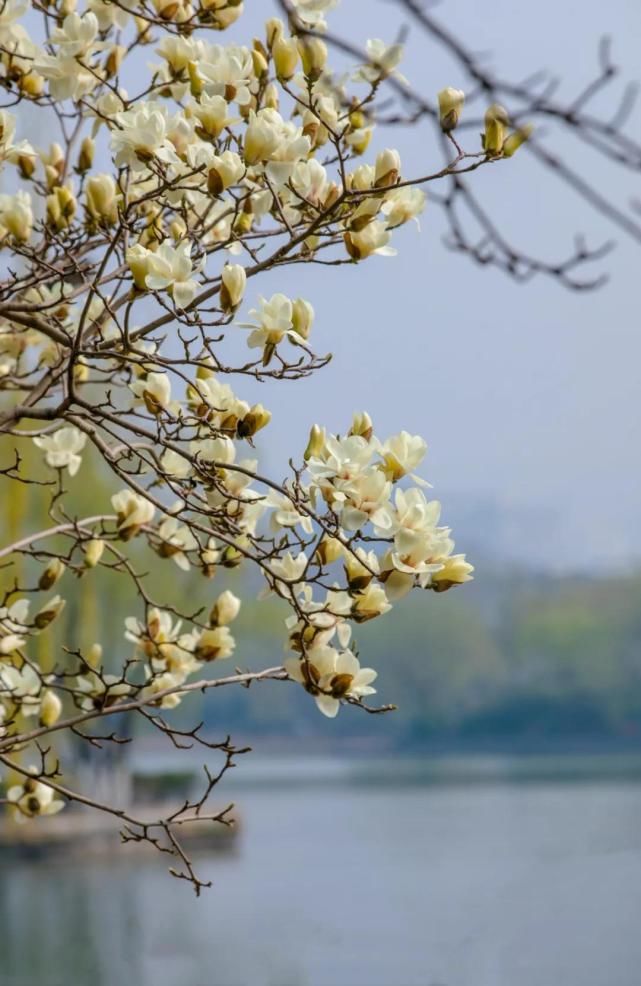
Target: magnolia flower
x,y
227,71
24,687
108,14
312,12
370,603
496,124
455,571
16,216
67,76
450,106
8,150
171,269
275,321
50,708
101,198
373,239
232,288
331,676
402,205
133,511
76,35
160,683
214,644
401,454
142,134
175,540
97,691
175,465
383,59
225,609
288,568
212,114
62,448
284,513
32,798
154,390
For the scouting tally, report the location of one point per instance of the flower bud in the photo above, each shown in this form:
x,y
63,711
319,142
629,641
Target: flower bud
x,y
515,140
52,573
450,107
61,207
32,84
26,165
302,317
101,200
274,29
50,708
93,657
259,64
232,287
137,258
80,370
316,443
388,168
114,60
362,425
93,551
270,99
85,158
256,418
286,55
329,550
496,123
313,53
49,612
225,609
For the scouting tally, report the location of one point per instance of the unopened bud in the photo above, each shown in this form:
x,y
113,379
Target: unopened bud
x,y
232,288
85,158
316,443
286,55
515,140
313,53
52,573
362,425
450,107
496,124
93,551
388,168
49,612
302,317
50,708
225,609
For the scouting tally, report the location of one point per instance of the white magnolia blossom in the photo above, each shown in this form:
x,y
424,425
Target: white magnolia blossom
x,y
33,797
330,676
62,448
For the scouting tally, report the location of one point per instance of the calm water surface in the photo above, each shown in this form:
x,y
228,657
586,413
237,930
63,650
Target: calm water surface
x,y
501,884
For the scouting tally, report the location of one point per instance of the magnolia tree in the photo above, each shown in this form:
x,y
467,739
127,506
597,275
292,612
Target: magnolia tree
x,y
128,243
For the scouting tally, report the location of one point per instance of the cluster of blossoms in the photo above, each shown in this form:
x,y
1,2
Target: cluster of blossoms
x,y
136,237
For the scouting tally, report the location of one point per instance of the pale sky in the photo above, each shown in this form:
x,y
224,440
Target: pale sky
x,y
527,395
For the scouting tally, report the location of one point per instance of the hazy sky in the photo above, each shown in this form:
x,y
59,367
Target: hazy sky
x,y
528,395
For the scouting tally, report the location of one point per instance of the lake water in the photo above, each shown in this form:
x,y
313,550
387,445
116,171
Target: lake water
x,y
487,884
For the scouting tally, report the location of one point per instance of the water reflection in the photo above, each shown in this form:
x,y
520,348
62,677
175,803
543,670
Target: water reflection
x,y
500,885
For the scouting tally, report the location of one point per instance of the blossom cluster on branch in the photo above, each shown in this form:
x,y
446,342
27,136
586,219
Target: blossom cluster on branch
x,y
128,246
